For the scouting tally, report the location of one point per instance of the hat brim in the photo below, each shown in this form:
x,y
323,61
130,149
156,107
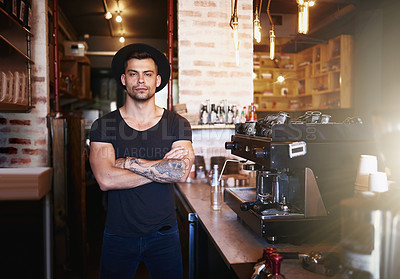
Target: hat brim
x,y
164,69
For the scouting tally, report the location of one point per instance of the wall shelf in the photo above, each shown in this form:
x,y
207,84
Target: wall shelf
x,y
319,77
15,65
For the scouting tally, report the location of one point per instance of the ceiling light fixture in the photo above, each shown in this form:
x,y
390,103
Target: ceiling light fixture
x,y
271,35
257,22
122,38
303,6
107,15
118,18
271,44
234,24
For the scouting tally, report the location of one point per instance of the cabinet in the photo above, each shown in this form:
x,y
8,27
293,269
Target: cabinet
x,y
15,64
269,93
319,77
75,77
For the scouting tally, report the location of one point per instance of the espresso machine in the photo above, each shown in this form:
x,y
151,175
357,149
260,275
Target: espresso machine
x,y
304,168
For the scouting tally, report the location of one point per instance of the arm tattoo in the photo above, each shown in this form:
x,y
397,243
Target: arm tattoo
x,y
169,170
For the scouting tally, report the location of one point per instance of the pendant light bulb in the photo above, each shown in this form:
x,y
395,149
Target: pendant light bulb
x,y
257,28
118,18
303,16
303,19
236,42
271,44
108,15
122,39
234,24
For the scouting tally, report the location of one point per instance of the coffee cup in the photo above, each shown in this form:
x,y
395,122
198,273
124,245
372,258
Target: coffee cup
x,y
367,164
378,182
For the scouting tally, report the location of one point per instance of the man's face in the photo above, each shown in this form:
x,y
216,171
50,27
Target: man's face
x,y
141,79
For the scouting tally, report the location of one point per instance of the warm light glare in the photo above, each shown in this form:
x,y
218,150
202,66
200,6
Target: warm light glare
x,y
280,78
118,18
303,19
257,29
303,7
236,41
108,15
121,39
271,44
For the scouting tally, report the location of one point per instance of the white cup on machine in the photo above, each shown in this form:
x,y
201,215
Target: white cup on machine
x,y
378,182
367,164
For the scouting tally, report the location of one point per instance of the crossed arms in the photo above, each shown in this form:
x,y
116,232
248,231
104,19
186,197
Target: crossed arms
x,y
125,173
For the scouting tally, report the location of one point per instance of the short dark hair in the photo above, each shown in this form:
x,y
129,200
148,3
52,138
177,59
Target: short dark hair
x,y
139,55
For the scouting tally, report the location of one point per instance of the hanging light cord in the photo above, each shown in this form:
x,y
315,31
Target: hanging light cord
x,y
234,18
269,16
259,7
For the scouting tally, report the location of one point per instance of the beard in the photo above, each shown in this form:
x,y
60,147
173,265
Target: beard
x,y
140,96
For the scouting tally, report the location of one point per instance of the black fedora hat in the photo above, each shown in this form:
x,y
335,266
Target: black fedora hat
x,y
122,55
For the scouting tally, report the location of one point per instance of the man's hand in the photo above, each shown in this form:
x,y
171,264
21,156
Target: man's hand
x,y
176,153
120,163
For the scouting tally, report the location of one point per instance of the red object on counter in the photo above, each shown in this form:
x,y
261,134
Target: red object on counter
x,y
276,260
267,253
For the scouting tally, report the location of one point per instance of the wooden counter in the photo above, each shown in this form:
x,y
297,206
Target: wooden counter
x,y
237,244
24,183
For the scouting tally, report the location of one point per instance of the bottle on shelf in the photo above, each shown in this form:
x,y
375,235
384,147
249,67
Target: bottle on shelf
x,y
230,115
208,104
213,114
220,115
245,113
252,113
237,117
226,109
242,117
204,115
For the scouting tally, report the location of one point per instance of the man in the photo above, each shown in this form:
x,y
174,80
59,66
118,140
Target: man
x,y
136,152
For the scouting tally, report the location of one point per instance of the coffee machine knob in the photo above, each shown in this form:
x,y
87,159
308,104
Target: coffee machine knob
x,y
260,153
230,145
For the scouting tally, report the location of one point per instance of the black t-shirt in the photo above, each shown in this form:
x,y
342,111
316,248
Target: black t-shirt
x,y
145,209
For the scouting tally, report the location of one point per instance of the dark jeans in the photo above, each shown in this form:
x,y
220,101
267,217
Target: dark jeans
x,y
160,251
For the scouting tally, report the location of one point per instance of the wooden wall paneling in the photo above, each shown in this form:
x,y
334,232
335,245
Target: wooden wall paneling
x,y
59,164
77,195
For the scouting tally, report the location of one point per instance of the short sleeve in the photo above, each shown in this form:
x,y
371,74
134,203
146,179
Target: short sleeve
x,y
104,129
182,128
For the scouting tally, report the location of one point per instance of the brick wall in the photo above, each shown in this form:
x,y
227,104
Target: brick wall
x,y
24,136
207,65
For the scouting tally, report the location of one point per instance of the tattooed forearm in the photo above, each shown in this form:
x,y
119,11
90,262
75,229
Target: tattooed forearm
x,y
170,170
173,168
